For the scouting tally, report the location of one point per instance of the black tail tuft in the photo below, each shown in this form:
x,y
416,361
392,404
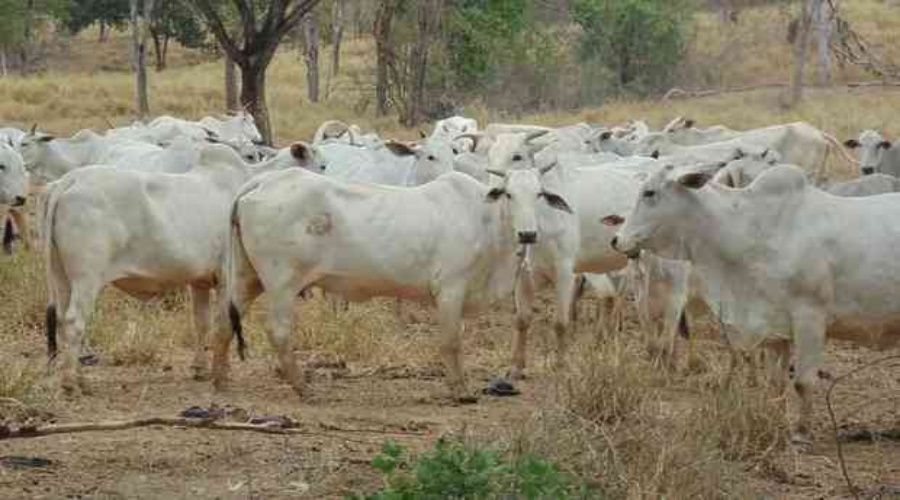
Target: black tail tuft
x,y
9,235
684,328
51,332
238,330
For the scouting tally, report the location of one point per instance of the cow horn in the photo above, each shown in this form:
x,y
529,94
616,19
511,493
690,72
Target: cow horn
x,y
544,170
534,135
34,128
498,173
473,137
422,134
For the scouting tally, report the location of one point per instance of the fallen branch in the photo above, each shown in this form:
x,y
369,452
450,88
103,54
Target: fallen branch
x,y
834,424
118,425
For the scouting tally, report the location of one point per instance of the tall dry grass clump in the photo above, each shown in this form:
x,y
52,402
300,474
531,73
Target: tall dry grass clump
x,y
638,431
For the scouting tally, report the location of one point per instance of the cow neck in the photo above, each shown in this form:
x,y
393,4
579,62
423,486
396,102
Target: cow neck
x,y
61,156
724,211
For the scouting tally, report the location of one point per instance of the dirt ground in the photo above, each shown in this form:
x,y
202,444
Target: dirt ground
x,y
349,412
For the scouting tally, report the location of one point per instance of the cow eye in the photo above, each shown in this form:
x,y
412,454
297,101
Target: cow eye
x,y
517,157
431,158
2,167
649,193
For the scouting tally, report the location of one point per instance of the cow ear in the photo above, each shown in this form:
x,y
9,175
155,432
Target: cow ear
x,y
45,138
689,123
301,152
556,201
494,194
694,180
851,143
399,148
612,220
885,144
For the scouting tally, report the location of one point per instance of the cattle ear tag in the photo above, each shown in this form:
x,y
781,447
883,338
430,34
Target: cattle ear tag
x,y
612,220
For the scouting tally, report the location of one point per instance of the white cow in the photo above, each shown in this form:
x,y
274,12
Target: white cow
x,y
682,131
144,233
396,164
11,136
783,263
449,130
877,155
293,231
49,158
13,192
236,126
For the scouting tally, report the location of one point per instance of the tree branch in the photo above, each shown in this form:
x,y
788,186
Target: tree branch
x,y
214,22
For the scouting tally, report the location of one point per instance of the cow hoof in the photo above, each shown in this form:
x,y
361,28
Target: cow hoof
x,y
515,373
88,360
500,387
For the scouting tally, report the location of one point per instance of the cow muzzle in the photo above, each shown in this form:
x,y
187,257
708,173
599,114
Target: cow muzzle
x,y
633,253
868,170
527,237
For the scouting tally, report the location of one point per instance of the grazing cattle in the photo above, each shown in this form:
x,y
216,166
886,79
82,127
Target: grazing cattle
x,y
294,231
13,192
144,233
782,263
876,155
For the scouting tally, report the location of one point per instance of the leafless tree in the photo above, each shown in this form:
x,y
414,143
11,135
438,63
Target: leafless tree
x,y
263,24
823,19
801,50
140,17
384,18
231,84
338,16
27,35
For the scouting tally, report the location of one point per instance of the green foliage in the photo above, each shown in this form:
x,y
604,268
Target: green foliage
x,y
640,41
84,13
172,20
12,17
481,34
451,470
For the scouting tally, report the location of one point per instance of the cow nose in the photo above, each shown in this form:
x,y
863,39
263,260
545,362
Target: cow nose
x,y
527,237
868,170
615,242
19,201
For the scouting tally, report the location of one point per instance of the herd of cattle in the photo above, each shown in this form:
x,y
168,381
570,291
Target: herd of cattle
x,y
748,223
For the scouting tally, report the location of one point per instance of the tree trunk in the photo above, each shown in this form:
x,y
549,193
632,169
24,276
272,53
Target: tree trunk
x,y
231,85
427,22
382,33
165,51
104,32
801,49
822,19
27,21
253,98
157,50
311,55
139,20
337,35
4,71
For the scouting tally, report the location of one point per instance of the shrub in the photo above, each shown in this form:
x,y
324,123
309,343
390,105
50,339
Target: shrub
x,y
640,41
452,470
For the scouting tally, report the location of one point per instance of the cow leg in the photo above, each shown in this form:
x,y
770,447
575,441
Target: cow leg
x,y
245,291
281,329
524,298
201,317
450,307
809,336
81,306
778,363
21,220
565,296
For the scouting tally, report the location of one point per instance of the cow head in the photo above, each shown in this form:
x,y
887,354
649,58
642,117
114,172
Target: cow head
x,y
33,146
872,148
514,151
245,125
522,190
13,178
308,157
432,158
664,198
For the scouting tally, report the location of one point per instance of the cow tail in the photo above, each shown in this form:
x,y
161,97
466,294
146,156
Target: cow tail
x,y
9,235
52,262
236,264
